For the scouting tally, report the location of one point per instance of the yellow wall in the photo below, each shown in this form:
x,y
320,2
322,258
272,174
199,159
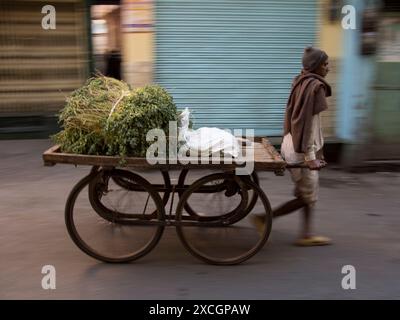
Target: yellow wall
x,y
330,33
330,40
137,47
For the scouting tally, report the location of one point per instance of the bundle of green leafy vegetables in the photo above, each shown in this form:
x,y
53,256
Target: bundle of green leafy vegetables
x,y
106,117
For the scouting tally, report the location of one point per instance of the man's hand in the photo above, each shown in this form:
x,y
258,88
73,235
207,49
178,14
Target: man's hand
x,y
316,164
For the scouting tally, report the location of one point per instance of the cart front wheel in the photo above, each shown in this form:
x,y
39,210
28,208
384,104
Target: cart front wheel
x,y
218,185
226,239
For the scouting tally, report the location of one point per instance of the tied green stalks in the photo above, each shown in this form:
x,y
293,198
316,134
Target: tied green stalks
x,y
105,117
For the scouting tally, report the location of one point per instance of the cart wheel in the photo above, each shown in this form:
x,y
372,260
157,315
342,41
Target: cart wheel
x,y
130,236
121,180
228,239
181,189
127,184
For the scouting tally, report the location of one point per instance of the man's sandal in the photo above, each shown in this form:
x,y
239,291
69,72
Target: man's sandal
x,y
258,221
313,241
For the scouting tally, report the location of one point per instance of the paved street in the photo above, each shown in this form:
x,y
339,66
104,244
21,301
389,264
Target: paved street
x,y
360,212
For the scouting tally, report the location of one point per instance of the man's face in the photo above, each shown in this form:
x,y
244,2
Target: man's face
x,y
323,69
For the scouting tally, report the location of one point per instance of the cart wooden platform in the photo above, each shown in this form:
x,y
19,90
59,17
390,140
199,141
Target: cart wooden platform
x,y
114,214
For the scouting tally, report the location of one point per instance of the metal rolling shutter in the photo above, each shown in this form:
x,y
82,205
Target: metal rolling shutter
x,y
232,61
39,68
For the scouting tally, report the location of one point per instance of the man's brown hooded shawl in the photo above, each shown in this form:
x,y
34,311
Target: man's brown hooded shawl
x,y
302,106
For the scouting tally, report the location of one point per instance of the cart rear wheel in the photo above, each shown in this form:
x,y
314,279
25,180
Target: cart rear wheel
x,y
227,239
121,180
131,235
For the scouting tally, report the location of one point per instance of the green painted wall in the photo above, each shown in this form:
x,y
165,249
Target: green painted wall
x,y
386,113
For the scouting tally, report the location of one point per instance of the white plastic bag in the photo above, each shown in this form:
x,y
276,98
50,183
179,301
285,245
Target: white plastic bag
x,y
207,139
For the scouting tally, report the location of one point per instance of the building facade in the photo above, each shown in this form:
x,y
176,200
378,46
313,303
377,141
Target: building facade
x,y
39,67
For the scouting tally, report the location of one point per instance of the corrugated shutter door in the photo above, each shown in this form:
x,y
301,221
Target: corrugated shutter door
x,y
39,68
232,61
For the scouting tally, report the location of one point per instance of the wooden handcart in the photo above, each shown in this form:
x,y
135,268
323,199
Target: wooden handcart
x,y
114,214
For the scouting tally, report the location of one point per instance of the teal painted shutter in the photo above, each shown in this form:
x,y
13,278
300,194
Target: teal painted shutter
x,y
232,61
